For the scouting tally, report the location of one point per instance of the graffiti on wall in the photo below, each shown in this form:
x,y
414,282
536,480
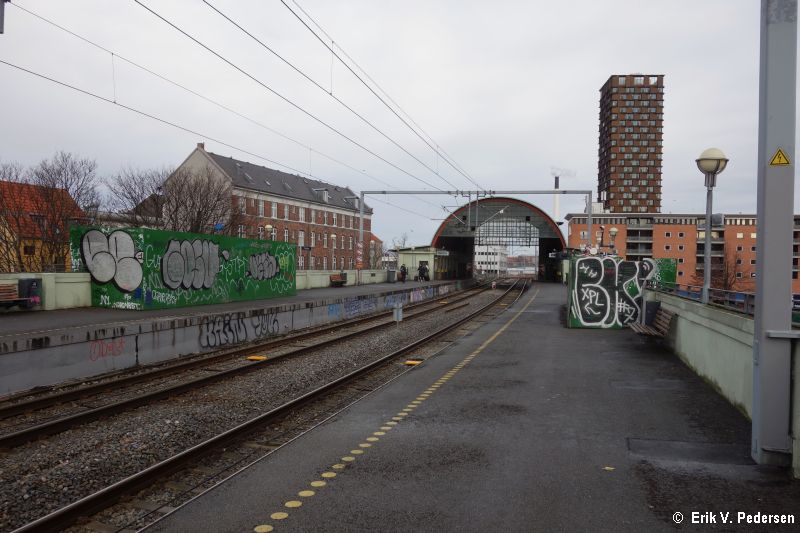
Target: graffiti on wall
x,y
234,328
138,268
606,292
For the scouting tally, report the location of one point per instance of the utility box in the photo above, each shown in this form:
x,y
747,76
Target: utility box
x,y
391,276
31,289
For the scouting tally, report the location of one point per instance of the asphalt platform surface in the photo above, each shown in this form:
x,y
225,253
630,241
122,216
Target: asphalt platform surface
x,y
23,322
520,426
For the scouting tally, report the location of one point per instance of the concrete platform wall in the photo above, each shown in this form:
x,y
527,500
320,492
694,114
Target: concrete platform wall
x,y
60,290
718,345
48,358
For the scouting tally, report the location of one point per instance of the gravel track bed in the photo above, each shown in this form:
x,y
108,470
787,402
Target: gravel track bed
x,y
40,477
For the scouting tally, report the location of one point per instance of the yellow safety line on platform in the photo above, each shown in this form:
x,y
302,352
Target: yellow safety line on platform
x,y
388,426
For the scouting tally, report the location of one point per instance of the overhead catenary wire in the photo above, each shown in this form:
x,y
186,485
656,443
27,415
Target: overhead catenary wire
x,y
327,92
116,55
282,97
166,122
433,146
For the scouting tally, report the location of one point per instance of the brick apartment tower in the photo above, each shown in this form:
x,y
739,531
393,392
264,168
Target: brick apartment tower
x,y
631,123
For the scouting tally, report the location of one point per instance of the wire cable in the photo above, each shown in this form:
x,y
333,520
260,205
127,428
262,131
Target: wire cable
x,y
212,101
174,125
282,97
432,146
327,92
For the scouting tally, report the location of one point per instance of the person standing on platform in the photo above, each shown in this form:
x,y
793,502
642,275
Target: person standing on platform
x,y
403,273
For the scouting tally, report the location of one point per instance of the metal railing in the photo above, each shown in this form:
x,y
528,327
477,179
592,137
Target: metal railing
x,y
741,302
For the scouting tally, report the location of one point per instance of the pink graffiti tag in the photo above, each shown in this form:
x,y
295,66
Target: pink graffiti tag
x,y
100,349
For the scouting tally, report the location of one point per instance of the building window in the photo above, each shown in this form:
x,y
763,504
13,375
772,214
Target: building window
x,y
681,234
752,274
351,242
668,234
300,261
302,214
313,216
738,274
334,219
621,80
313,239
752,248
333,262
680,247
261,232
739,248
680,260
285,211
667,247
324,263
752,261
30,250
739,261
286,235
241,230
260,208
653,80
301,238
333,241
752,235
740,235
311,263
325,240
274,213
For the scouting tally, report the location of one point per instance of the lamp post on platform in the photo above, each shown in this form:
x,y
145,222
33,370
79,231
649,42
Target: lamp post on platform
x,y
613,233
711,162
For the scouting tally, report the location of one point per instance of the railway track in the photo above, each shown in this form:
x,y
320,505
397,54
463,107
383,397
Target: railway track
x,y
106,497
210,368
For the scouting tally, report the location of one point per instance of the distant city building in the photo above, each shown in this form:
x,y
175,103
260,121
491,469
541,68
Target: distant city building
x,y
682,237
491,259
321,218
629,163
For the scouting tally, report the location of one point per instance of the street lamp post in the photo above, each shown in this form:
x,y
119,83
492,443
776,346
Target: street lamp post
x,y
711,162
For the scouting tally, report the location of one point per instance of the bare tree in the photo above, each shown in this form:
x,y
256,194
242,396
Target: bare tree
x,y
401,241
200,202
729,274
137,195
13,218
38,207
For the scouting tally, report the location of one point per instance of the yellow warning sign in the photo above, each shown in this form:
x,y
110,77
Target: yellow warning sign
x,y
779,159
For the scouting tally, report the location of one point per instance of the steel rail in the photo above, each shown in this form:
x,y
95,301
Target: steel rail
x,y
103,498
58,425
50,400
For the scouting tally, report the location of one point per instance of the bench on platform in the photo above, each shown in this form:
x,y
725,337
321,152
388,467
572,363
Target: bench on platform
x,y
9,295
660,326
338,280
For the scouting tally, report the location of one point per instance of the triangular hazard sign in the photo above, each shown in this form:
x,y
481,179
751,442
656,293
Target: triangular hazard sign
x,y
779,159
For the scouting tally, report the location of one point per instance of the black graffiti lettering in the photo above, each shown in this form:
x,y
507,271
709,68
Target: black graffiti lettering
x,y
221,330
265,324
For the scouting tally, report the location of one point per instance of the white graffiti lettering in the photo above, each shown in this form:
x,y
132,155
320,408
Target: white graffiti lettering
x,y
112,258
190,264
221,330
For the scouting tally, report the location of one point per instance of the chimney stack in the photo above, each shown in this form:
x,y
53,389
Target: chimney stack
x,y
201,146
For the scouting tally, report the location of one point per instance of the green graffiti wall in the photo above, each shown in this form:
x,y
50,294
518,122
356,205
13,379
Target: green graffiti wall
x,y
607,292
136,268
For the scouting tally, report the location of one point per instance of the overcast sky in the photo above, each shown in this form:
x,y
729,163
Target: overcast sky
x,y
509,89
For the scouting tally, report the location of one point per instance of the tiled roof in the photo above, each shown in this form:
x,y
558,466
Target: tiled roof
x,y
18,201
255,177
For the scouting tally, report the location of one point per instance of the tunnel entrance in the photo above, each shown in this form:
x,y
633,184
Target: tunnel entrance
x,y
497,222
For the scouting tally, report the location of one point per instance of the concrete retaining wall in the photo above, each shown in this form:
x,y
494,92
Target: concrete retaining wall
x,y
718,345
28,361
59,291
